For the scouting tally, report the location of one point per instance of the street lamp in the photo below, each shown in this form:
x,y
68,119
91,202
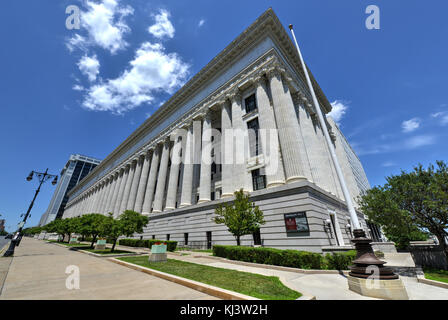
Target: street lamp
x,y
18,235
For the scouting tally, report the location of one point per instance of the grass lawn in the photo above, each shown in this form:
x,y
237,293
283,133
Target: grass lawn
x,y
70,245
437,275
107,251
255,285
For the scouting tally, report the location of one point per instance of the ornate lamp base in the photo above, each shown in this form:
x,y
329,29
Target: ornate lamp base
x,y
369,276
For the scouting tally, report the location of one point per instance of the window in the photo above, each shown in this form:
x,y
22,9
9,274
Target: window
x,y
258,180
253,137
213,196
257,237
168,237
250,103
186,238
153,236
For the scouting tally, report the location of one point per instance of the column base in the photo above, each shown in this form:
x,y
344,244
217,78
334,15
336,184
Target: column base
x,y
203,200
377,288
145,213
295,179
226,195
156,211
275,184
184,205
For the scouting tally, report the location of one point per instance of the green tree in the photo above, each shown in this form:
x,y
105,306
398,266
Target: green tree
x,y
411,204
241,218
90,225
127,224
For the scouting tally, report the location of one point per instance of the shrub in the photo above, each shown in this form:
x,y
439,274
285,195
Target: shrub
x,y
278,257
147,243
379,254
339,260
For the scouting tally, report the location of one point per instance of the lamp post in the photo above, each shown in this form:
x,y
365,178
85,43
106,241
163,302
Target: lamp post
x,y
18,235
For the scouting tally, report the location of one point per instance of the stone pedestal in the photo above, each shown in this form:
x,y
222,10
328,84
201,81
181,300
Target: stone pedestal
x,y
376,288
157,257
100,247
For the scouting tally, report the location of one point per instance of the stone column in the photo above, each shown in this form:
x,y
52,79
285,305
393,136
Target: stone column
x,y
124,178
242,179
135,182
103,195
275,174
161,180
226,150
108,207
127,188
96,198
288,127
187,179
206,160
173,181
115,204
150,187
142,183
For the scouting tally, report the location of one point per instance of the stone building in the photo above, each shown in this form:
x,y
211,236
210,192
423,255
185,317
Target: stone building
x,y
245,121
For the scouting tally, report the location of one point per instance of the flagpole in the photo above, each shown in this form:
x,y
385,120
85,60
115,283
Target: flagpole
x,y
348,199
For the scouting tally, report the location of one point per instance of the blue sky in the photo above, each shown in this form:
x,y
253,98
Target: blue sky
x,y
389,85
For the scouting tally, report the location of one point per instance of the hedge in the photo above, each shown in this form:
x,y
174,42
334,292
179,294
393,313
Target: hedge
x,y
286,258
278,257
340,260
147,243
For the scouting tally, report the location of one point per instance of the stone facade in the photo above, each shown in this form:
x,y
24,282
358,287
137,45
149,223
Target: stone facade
x,y
245,121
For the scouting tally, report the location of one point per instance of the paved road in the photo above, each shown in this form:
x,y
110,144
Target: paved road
x,y
38,271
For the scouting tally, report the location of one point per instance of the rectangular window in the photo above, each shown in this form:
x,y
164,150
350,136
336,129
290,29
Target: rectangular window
x,y
186,238
253,127
296,223
258,180
250,104
168,237
153,236
212,196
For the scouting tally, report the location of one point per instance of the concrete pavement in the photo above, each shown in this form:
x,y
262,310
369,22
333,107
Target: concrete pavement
x,y
38,268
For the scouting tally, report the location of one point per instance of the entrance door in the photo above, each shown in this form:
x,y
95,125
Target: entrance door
x,y
333,225
209,239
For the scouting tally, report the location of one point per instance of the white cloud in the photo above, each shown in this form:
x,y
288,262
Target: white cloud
x,y
78,87
152,71
443,116
89,66
163,26
388,164
201,23
104,22
410,125
420,141
338,111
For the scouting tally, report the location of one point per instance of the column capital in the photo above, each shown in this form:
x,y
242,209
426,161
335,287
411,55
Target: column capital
x,y
234,95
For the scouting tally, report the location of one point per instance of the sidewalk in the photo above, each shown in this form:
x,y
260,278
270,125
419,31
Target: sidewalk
x,y
37,271
322,286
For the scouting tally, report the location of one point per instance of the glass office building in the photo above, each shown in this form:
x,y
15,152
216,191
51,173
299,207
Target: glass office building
x,y
75,170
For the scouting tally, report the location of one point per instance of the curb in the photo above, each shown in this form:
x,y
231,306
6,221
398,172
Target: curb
x,y
435,283
279,268
195,285
106,255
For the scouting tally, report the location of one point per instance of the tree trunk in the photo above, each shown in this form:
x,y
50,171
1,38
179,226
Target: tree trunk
x,y
93,241
237,240
113,246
